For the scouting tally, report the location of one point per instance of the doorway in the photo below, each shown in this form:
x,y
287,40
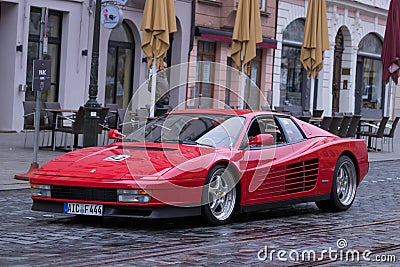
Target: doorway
x,y
370,89
119,66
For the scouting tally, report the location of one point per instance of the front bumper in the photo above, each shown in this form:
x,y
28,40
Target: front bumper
x,y
150,212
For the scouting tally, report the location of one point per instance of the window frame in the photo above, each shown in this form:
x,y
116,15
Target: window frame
x,y
35,39
244,143
284,131
200,58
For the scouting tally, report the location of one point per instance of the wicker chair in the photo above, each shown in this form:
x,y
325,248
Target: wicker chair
x,y
390,135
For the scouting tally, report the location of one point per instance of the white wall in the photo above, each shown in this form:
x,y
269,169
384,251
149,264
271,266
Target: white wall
x,y
77,30
10,66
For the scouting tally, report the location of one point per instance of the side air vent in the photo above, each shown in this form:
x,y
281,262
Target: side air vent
x,y
293,178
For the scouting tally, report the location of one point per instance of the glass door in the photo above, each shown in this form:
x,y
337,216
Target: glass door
x,y
119,70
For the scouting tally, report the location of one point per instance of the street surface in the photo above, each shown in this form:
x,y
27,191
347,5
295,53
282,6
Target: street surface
x,y
371,227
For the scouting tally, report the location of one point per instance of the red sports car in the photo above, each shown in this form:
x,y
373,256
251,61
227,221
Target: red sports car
x,y
213,163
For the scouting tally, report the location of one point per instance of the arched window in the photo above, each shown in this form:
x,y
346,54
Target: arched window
x,y
119,66
369,54
292,71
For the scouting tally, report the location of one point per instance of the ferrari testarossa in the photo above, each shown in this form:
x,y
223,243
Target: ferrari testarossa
x,y
213,163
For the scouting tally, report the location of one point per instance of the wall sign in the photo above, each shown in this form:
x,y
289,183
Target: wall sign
x,y
41,75
111,17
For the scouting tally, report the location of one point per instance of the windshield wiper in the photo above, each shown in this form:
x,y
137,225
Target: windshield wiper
x,y
191,142
184,142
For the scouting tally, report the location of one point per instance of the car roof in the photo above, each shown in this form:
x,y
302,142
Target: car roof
x,y
239,112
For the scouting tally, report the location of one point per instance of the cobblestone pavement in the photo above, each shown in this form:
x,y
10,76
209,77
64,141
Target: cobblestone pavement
x,y
30,238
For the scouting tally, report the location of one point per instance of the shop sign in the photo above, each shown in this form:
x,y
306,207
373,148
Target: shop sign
x,y
111,16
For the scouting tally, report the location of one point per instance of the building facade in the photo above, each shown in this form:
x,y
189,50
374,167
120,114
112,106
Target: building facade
x,y
122,68
351,79
214,22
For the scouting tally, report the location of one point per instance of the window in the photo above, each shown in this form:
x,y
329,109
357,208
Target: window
x,y
204,89
264,125
292,132
252,89
370,49
292,71
53,33
213,130
119,66
263,5
252,92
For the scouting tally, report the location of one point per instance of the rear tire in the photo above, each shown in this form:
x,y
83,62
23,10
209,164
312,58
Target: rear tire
x,y
344,187
219,199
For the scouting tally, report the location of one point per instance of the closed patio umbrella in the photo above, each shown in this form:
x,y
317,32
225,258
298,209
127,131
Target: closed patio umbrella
x,y
391,43
246,34
157,23
315,40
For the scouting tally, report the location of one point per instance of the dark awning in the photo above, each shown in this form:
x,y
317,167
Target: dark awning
x,y
226,37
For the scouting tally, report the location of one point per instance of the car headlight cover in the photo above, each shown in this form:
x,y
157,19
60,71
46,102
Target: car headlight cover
x,y
136,196
41,190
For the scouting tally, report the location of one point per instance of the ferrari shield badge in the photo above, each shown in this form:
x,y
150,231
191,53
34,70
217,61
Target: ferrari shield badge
x,y
117,157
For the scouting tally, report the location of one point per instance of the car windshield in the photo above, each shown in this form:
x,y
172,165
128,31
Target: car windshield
x,y
213,130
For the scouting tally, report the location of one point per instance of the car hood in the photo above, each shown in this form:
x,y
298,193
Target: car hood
x,y
123,161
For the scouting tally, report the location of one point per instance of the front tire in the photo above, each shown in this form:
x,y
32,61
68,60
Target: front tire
x,y
344,186
219,198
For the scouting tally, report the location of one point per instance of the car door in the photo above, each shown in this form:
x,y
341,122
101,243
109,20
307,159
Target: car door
x,y
278,172
257,161
301,171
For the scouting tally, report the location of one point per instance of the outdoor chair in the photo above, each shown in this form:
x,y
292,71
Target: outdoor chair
x,y
112,116
51,118
344,126
375,132
120,118
103,126
29,120
160,111
336,113
278,109
51,105
168,107
76,128
334,126
297,114
125,124
351,131
305,118
325,123
390,135
317,113
307,113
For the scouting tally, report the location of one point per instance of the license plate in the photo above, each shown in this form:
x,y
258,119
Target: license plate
x,y
83,209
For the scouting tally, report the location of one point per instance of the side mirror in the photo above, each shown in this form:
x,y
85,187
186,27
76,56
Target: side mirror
x,y
262,140
114,134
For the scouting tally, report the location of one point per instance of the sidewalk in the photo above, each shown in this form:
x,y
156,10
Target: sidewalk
x,y
15,159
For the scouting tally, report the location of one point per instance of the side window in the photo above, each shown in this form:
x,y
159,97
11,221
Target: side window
x,y
264,125
290,129
271,127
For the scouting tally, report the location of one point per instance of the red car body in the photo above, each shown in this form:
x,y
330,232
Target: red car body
x,y
175,174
